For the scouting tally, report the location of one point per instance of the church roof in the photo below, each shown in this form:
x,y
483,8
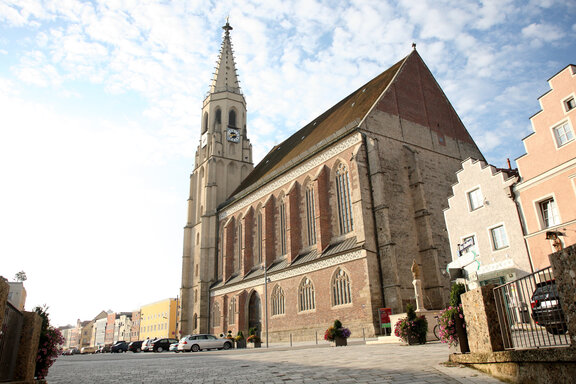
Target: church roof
x,y
351,109
225,76
402,89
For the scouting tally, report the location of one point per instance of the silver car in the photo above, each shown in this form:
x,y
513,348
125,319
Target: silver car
x,y
197,343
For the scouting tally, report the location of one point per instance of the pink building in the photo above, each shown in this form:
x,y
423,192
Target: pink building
x,y
547,192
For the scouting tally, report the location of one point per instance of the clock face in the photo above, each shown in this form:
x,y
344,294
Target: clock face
x,y
233,135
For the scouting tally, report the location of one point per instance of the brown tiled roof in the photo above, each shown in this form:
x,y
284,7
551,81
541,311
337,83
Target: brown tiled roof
x,y
351,109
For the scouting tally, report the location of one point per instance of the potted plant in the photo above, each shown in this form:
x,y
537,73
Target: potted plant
x,y
254,338
337,334
240,340
412,329
452,325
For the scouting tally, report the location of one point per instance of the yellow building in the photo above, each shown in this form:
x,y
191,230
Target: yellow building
x,y
159,319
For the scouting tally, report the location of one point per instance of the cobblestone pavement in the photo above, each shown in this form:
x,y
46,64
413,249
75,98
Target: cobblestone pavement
x,y
356,363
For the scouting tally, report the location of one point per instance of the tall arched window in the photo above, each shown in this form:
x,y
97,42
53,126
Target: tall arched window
x,y
218,117
258,237
310,214
216,315
239,246
306,298
277,301
232,118
195,321
341,292
283,227
205,123
232,312
344,203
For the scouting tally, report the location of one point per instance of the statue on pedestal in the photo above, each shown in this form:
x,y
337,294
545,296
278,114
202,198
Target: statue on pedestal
x,y
417,287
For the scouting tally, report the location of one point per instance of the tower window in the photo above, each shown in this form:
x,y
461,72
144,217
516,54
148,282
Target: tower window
x,y
218,118
232,118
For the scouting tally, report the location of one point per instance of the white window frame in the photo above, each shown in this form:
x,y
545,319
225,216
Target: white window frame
x,y
469,195
540,212
568,132
492,240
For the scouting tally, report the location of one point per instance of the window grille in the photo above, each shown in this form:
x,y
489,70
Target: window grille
x,y
278,301
311,215
344,203
307,299
341,293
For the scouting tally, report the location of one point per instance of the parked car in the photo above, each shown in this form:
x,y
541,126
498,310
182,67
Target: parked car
x,y
546,309
135,346
146,345
71,351
103,349
197,343
86,350
161,344
174,347
119,347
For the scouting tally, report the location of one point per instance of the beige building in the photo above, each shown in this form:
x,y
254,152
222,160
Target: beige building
x,y
547,191
484,226
334,216
17,295
123,326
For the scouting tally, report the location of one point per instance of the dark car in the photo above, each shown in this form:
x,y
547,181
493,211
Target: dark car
x,y
162,344
546,309
119,347
135,346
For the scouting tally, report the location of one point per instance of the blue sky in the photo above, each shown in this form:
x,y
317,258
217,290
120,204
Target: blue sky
x,y
100,113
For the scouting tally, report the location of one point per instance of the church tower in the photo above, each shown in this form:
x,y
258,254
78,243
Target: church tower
x,y
223,160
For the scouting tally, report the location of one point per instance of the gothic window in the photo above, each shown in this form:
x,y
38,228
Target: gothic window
x,y
277,301
259,237
341,292
310,215
306,298
218,117
232,118
232,312
216,315
343,196
205,123
283,228
195,321
239,246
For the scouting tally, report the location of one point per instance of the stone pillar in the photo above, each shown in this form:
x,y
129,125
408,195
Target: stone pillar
x,y
418,295
28,349
564,265
482,326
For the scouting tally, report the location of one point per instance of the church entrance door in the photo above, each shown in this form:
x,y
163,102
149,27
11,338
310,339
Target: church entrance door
x,y
255,312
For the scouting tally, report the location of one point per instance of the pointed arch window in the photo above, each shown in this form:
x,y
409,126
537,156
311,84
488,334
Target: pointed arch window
x,y
239,246
259,237
218,117
232,118
310,214
232,312
306,296
216,315
205,123
343,196
341,292
278,301
283,227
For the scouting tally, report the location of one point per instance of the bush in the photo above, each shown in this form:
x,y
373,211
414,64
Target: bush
x,y
455,292
48,346
411,326
336,330
446,320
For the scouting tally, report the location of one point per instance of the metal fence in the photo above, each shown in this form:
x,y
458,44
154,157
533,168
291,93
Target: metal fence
x,y
9,341
530,313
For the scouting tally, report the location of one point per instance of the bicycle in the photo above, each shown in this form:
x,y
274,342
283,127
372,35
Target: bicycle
x,y
436,329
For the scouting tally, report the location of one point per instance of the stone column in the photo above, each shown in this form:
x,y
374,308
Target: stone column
x,y
564,265
28,349
482,325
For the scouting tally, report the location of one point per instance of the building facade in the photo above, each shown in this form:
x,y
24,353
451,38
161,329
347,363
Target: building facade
x,y
484,226
123,326
329,223
547,191
17,295
159,319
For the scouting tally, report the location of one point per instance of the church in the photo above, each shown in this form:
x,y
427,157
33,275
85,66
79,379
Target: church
x,y
328,224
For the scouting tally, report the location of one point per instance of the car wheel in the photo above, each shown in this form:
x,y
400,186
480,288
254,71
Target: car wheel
x,y
195,348
227,345
138,350
159,349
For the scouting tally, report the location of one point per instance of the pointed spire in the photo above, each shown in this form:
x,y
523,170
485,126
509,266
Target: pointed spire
x,y
225,77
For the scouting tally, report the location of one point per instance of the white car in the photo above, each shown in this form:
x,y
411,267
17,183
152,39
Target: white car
x,y
197,343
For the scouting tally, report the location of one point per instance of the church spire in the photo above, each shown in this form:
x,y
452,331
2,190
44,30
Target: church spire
x,y
225,77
